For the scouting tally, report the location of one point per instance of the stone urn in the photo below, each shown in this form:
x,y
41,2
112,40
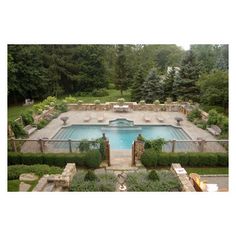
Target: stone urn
x,y
64,119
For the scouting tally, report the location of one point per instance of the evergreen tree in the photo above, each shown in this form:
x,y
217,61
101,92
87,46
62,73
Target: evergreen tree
x,y
136,92
121,79
152,88
184,85
168,83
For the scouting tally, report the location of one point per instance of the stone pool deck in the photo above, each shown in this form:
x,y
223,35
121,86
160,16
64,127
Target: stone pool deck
x,y
77,117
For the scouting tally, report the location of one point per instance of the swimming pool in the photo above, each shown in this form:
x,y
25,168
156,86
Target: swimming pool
x,y
121,137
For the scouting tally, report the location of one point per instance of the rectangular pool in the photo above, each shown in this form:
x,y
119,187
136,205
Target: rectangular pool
x,y
121,137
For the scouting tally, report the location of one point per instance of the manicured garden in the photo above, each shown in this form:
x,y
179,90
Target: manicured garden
x,y
15,171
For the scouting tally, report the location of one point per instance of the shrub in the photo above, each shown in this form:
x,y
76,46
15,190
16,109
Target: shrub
x,y
121,101
213,117
70,99
91,159
84,145
151,159
152,175
27,118
194,114
79,102
105,182
100,93
90,176
97,102
61,107
140,182
18,129
156,102
142,102
42,124
15,171
155,144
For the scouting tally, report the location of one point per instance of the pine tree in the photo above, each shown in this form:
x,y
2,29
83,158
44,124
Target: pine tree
x,y
184,85
121,79
136,92
152,87
168,83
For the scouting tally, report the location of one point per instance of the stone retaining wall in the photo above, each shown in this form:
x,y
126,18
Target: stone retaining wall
x,y
50,182
183,177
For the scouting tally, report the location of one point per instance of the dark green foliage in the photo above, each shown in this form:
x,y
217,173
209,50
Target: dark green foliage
x,y
155,144
185,83
136,92
121,68
27,118
214,89
61,107
194,114
100,93
90,176
168,83
15,171
140,182
152,159
91,159
215,118
152,175
18,129
152,88
84,145
42,124
104,182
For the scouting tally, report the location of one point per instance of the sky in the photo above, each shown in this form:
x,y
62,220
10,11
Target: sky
x,y
185,46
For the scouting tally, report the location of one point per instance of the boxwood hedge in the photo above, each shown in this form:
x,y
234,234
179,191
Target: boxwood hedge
x,y
90,159
151,158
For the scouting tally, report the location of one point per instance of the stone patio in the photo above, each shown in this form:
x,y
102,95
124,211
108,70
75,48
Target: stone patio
x,y
77,117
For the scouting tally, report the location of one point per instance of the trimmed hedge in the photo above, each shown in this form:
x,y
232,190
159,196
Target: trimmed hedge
x,y
151,158
90,159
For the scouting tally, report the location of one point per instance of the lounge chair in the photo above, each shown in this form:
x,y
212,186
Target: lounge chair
x,y
214,129
160,119
87,118
147,118
100,118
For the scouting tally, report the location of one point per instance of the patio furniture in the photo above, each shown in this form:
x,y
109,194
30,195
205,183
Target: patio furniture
x,y
121,108
87,118
30,129
214,129
100,118
28,102
147,118
178,120
160,119
64,119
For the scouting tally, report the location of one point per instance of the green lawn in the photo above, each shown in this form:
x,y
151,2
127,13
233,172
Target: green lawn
x,y
207,170
112,97
13,185
15,111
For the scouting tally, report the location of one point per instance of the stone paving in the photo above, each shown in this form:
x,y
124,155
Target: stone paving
x,y
77,117
221,181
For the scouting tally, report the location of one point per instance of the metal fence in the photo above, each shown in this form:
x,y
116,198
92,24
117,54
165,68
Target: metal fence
x,y
64,146
196,146
51,146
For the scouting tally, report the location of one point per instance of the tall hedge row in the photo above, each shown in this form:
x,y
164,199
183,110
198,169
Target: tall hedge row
x,y
90,159
151,158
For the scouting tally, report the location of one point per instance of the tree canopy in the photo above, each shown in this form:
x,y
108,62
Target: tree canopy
x,y
37,71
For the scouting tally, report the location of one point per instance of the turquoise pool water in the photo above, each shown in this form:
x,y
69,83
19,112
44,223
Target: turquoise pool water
x,y
121,137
